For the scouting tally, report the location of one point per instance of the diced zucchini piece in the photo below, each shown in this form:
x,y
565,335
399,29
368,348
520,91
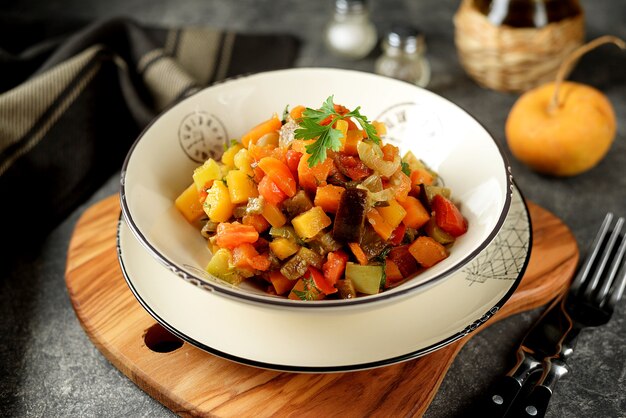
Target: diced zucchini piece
x,y
366,279
438,234
432,191
220,267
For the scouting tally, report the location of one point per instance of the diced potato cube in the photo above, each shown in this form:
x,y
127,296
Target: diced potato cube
x,y
342,125
228,158
273,215
243,161
283,247
217,205
207,172
240,186
309,223
189,205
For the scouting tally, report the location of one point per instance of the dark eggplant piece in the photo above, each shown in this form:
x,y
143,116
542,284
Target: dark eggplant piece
x,y
350,216
323,243
297,204
346,289
371,243
297,265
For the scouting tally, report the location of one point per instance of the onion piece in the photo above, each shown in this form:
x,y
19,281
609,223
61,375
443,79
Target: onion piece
x,y
372,156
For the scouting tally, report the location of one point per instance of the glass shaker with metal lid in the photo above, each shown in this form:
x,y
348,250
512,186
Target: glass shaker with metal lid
x,y
350,33
403,56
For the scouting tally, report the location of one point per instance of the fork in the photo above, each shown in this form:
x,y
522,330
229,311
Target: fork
x,y
590,302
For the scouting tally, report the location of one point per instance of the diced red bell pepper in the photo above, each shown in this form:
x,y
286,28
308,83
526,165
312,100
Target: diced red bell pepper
x,y
335,266
403,260
351,166
319,280
397,235
245,255
293,159
448,217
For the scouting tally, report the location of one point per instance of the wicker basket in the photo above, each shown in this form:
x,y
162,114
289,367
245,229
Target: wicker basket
x,y
512,59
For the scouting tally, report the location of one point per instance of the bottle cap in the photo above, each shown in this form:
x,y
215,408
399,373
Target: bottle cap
x,y
406,38
350,6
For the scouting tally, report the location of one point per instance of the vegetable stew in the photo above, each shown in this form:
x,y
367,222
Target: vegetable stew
x,y
315,205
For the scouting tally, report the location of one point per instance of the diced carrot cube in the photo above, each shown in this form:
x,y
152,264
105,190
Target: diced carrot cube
x,y
379,224
427,251
328,197
281,284
416,214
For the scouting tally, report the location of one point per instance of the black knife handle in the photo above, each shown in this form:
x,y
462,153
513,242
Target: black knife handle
x,y
500,397
536,403
503,391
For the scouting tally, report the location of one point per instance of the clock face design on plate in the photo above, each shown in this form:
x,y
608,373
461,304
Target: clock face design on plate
x,y
202,135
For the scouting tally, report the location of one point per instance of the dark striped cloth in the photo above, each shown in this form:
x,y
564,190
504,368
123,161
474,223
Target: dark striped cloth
x,y
71,105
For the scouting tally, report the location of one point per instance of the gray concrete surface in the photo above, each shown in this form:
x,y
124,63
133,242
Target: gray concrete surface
x,y
48,367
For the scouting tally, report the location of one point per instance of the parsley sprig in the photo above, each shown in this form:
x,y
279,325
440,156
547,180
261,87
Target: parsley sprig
x,y
326,136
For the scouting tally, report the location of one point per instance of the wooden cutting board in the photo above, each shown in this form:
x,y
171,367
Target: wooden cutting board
x,y
190,381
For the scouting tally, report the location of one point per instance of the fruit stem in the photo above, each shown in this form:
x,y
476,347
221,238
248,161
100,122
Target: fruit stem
x,y
571,59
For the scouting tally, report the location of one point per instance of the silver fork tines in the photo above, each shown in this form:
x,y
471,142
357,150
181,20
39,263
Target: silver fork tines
x,y
605,249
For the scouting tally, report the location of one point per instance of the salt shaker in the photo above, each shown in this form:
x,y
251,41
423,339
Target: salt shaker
x,y
403,56
351,34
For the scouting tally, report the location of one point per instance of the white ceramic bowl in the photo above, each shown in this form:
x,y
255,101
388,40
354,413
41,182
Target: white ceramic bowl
x,y
160,163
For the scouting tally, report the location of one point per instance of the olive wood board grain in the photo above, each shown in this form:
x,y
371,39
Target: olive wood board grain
x,y
192,382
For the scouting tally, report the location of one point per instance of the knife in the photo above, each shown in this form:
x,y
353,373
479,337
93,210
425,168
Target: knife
x,y
543,341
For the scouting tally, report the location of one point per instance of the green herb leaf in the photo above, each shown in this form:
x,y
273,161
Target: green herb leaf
x,y
405,168
329,139
383,255
365,124
310,290
326,136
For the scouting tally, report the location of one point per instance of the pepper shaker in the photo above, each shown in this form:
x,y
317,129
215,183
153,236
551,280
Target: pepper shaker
x,y
403,56
351,34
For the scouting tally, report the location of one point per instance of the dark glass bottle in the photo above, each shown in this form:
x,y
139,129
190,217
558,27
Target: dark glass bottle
x,y
527,13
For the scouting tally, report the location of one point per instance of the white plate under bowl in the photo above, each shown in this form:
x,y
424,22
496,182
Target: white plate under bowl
x,y
159,165
331,340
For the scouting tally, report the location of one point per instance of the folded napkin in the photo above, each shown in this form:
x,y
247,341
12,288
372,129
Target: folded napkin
x,y
71,105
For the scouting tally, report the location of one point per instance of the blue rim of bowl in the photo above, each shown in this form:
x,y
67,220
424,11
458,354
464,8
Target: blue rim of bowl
x,y
284,302
477,324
